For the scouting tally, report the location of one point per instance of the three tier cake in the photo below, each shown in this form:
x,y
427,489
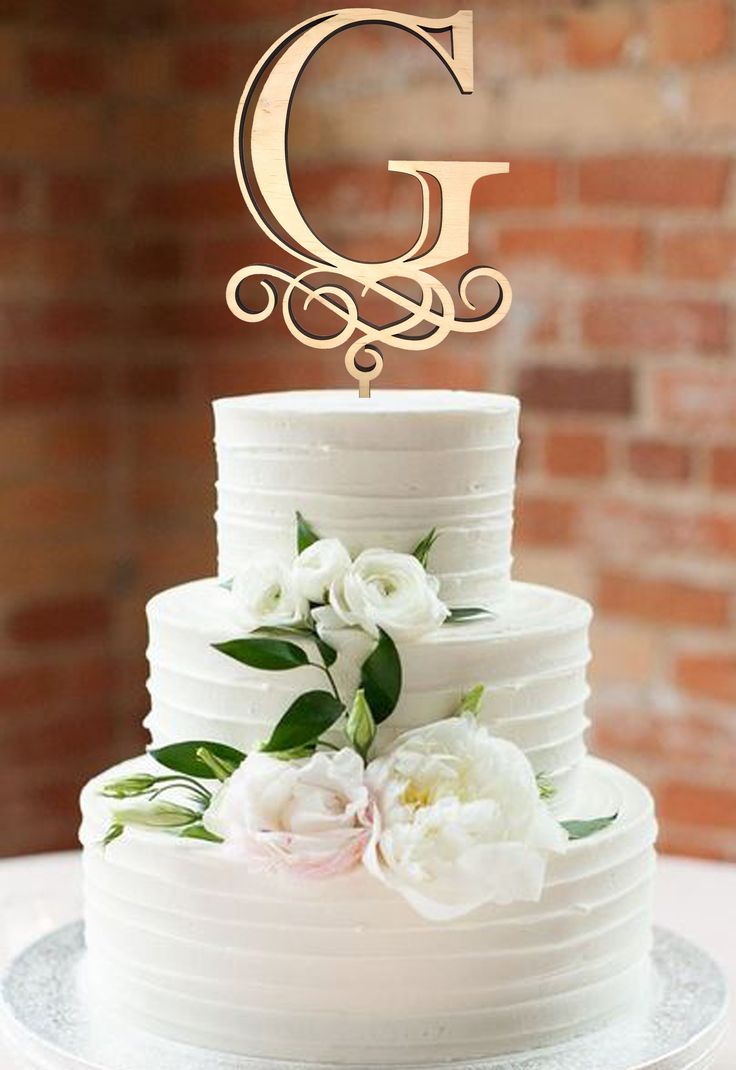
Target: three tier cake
x,y
422,863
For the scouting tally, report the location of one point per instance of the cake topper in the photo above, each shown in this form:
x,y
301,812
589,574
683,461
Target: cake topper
x,y
262,166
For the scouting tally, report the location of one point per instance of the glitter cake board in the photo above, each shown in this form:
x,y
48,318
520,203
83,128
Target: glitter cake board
x,y
50,1022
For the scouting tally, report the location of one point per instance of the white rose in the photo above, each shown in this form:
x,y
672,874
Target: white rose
x,y
459,820
312,817
389,590
319,566
264,593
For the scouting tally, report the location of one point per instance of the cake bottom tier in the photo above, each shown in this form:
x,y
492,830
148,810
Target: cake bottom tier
x,y
184,941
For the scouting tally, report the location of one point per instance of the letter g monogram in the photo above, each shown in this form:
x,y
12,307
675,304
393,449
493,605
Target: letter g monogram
x,y
265,183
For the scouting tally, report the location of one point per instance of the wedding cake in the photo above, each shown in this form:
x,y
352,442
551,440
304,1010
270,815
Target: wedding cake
x,y
367,829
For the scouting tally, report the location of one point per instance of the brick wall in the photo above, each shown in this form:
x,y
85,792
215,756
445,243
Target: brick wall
x,y
121,222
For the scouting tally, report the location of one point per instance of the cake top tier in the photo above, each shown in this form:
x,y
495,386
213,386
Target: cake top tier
x,y
374,473
393,417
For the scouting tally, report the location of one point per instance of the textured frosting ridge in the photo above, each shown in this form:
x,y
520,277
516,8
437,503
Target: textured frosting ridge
x,y
531,658
380,475
190,943
186,940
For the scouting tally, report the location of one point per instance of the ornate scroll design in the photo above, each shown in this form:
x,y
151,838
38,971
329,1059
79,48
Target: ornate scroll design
x,y
266,186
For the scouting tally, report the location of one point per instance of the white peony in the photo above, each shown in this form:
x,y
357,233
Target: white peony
x,y
389,590
312,817
265,593
319,566
459,820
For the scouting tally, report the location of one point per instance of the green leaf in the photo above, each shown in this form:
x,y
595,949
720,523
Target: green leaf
x,y
156,815
305,534
130,786
304,722
457,616
380,678
185,757
280,630
578,830
327,652
361,727
546,790
199,832
273,654
423,548
471,700
220,770
115,830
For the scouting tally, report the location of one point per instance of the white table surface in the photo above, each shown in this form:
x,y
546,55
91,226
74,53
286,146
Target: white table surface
x,y
696,898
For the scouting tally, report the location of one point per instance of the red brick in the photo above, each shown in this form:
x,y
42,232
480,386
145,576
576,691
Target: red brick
x,y
155,259
65,68
597,36
625,322
698,254
143,67
48,132
710,98
24,688
154,381
203,65
78,440
57,259
544,521
581,454
657,459
688,31
11,195
205,199
697,399
697,804
236,12
158,136
723,467
641,530
191,320
65,505
645,732
694,841
531,183
708,676
353,191
182,435
662,601
75,198
51,383
568,388
654,181
58,620
585,249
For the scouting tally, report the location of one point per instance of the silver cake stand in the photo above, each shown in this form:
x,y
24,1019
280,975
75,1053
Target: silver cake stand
x,y
51,1024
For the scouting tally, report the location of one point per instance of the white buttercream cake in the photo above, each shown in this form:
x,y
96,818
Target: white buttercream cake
x,y
189,939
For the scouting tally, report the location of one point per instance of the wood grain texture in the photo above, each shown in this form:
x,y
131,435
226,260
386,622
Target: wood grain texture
x,y
334,281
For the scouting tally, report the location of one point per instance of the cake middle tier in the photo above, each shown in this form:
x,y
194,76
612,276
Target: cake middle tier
x,y
375,474
531,658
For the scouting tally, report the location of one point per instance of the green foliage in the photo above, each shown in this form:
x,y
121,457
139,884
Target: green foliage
x,y
305,534
423,548
463,613
360,728
580,830
199,832
276,655
380,678
471,700
187,758
304,722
